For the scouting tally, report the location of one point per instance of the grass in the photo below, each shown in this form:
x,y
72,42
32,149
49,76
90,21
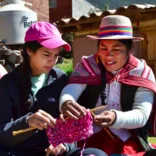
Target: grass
x,y
152,139
66,66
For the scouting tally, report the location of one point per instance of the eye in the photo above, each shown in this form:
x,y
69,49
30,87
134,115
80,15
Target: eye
x,y
46,54
103,49
116,49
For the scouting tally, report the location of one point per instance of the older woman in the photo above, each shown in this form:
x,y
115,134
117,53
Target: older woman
x,y
115,78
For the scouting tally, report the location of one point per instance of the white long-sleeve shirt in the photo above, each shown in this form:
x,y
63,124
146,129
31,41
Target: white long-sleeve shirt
x,y
135,118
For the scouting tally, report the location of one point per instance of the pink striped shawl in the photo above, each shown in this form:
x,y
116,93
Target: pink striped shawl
x,y
135,72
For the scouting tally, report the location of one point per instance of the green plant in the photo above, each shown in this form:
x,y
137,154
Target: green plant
x,y
66,66
152,139
69,38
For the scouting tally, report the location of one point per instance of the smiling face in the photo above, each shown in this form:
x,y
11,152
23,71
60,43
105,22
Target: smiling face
x,y
113,54
43,60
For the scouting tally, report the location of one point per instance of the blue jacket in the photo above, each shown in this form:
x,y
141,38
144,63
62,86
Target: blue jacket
x,y
12,117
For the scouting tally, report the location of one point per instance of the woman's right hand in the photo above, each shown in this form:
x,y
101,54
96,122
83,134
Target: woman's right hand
x,y
41,120
72,109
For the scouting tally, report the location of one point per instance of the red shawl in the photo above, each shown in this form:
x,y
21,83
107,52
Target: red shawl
x,y
135,72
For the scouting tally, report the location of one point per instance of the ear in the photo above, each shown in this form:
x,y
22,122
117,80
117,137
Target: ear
x,y
28,51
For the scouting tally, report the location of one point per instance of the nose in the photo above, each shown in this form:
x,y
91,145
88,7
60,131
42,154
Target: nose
x,y
52,60
109,53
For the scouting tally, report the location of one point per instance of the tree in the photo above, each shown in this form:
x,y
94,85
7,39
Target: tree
x,y
68,37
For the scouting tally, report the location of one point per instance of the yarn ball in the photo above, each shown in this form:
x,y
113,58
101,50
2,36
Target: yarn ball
x,y
70,130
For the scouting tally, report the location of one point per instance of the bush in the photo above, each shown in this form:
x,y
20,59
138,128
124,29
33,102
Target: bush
x,y
66,66
68,37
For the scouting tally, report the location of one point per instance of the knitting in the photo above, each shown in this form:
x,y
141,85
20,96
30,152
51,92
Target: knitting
x,y
70,130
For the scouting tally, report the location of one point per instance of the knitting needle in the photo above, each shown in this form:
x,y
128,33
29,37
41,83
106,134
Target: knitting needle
x,y
98,108
29,129
95,109
109,133
22,131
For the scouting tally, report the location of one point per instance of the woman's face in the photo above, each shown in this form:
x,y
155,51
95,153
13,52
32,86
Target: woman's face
x,y
113,54
43,60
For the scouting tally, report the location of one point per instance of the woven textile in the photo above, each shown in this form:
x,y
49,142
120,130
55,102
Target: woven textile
x,y
70,130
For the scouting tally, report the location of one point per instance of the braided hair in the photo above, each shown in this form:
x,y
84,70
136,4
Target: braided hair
x,y
103,82
25,73
128,43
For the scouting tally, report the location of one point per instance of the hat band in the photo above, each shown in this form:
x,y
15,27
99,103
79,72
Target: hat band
x,y
115,30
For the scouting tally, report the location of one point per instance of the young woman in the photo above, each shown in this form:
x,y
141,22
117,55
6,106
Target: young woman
x,y
29,96
118,80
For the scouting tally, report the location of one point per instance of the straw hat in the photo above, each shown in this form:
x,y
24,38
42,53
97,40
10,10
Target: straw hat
x,y
115,27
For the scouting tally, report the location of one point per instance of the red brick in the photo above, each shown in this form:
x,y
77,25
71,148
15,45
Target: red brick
x,y
41,7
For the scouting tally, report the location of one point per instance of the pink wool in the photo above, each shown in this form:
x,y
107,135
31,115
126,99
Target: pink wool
x,y
70,131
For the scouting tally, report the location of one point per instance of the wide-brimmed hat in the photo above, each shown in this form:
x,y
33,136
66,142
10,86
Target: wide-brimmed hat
x,y
115,27
47,35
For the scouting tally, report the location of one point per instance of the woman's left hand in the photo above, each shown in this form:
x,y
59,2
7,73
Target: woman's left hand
x,y
105,119
59,150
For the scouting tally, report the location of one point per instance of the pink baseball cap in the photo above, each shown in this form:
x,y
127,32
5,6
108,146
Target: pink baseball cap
x,y
47,35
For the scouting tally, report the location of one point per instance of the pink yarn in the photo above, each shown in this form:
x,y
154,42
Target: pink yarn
x,y
70,131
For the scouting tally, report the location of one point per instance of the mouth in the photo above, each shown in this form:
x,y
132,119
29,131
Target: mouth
x,y
109,63
48,68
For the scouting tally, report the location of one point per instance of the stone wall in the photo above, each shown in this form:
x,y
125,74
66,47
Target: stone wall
x,y
9,58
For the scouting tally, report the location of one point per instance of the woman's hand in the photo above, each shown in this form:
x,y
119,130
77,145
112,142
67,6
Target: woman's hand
x,y
72,109
105,119
59,150
41,120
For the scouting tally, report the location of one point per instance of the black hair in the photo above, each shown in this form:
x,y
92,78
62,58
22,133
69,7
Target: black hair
x,y
103,82
128,43
25,73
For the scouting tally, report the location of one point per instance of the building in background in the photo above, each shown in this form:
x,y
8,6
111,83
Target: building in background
x,y
114,4
41,7
144,24
61,9
16,18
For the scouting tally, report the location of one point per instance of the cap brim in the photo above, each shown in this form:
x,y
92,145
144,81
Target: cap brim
x,y
54,43
116,37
